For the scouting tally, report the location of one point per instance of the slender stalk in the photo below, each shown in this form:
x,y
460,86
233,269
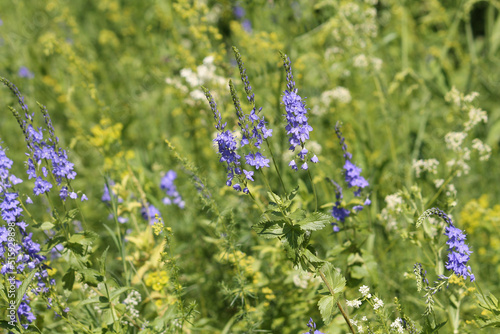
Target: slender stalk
x,y
346,317
275,165
440,190
314,188
383,105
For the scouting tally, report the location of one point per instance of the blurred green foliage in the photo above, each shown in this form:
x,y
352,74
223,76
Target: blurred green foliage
x,y
121,77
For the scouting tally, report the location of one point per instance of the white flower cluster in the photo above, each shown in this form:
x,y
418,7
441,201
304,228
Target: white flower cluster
x,y
427,165
356,303
365,291
339,93
454,140
397,325
359,326
355,23
377,303
204,74
394,207
133,299
483,149
476,116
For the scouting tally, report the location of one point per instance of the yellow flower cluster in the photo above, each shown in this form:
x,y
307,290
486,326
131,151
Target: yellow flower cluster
x,y
244,262
482,220
157,280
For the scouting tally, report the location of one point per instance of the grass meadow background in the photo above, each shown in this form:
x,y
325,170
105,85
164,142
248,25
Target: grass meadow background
x,y
122,83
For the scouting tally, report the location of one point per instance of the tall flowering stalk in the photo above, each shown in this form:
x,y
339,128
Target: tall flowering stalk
x,y
227,146
21,256
44,149
353,178
458,250
253,127
297,126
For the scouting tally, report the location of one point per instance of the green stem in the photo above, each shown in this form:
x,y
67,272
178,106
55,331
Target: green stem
x,y
275,165
314,188
275,199
383,105
440,190
346,317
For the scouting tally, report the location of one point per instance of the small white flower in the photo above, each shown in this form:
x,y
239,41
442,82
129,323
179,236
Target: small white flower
x,y
353,303
360,61
454,140
438,183
378,303
397,325
429,165
364,290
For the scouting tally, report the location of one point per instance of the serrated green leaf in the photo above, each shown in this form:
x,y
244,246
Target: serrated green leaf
x,y
297,215
292,234
315,221
271,232
270,229
69,280
326,307
117,292
47,226
293,193
103,261
274,198
334,278
72,213
309,255
24,287
91,276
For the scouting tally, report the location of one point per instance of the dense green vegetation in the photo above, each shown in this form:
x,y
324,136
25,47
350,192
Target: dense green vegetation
x,y
163,245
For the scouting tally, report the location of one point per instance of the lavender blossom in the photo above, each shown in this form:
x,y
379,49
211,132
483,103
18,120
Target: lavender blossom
x,y
26,252
458,250
352,172
25,73
41,149
253,127
149,213
167,184
297,126
338,211
226,143
312,328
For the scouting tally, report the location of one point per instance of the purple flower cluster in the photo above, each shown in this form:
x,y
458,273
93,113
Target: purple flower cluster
x,y
239,13
253,127
173,196
459,252
25,73
353,176
44,149
338,211
227,146
312,328
297,126
18,257
107,196
149,213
